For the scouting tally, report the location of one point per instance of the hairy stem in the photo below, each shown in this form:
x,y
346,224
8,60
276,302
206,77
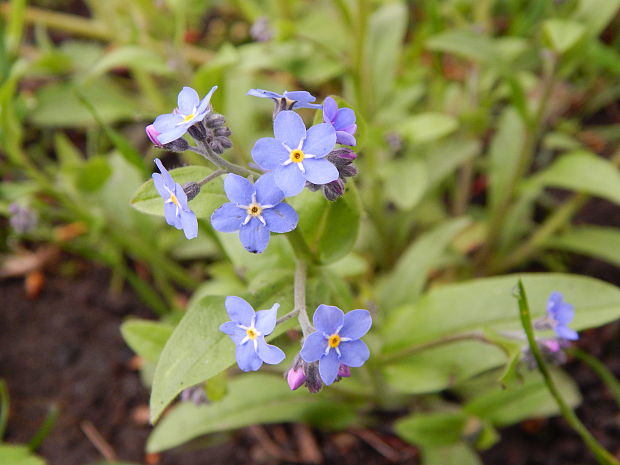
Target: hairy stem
x,y
218,161
300,298
602,456
211,177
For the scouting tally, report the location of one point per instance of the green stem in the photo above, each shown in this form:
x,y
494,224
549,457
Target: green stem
x,y
218,161
45,428
600,369
211,177
602,456
300,298
4,407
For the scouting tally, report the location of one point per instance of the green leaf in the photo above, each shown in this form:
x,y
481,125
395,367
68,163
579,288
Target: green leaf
x,y
18,455
466,44
461,454
562,34
405,182
384,43
437,368
427,127
409,276
146,338
198,350
596,14
531,398
432,429
254,398
582,171
131,56
92,174
504,155
211,196
595,241
488,303
58,105
329,228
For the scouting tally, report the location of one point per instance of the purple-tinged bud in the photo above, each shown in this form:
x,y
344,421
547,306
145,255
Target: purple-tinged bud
x,y
195,394
552,345
261,30
344,371
342,159
191,189
346,154
295,378
22,219
153,133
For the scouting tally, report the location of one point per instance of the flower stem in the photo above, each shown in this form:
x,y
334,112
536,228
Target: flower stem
x,y
600,369
211,177
602,456
300,298
218,161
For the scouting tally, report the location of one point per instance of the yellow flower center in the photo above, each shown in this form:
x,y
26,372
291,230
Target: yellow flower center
x,y
334,341
254,209
174,200
252,334
188,117
297,156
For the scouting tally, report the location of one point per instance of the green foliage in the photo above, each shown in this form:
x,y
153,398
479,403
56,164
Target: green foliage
x,y
18,455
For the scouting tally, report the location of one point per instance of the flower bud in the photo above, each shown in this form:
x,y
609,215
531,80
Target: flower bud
x,y
295,378
152,133
198,131
191,189
342,159
22,219
304,373
195,394
344,371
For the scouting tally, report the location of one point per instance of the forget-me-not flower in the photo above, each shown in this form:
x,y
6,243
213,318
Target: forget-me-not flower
x,y
190,110
559,315
254,210
288,100
336,341
342,119
296,155
176,209
248,329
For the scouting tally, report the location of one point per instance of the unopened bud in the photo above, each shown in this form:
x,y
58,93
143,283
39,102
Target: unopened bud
x,y
198,131
295,378
344,371
191,189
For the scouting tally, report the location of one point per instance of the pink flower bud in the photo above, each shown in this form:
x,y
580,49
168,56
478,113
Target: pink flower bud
x,y
552,345
295,378
153,133
344,371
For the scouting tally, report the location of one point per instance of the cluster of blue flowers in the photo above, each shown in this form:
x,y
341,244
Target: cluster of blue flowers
x,y
296,157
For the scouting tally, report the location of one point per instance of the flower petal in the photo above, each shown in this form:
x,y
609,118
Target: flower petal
x,y
228,218
328,319
168,181
239,310
320,171
238,189
354,353
170,213
264,93
269,153
555,299
158,180
266,320
166,122
345,117
320,140
173,134
314,347
234,331
302,96
290,179
330,108
187,100
267,192
269,353
247,358
566,333
289,128
189,223
204,103
254,236
565,313
281,219
345,138
356,324
328,367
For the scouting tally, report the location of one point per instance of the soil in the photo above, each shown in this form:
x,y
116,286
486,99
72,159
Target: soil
x,y
64,348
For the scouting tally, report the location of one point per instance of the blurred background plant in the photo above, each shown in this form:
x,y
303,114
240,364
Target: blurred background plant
x,y
484,129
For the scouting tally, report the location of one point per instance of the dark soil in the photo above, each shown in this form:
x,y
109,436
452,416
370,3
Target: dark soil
x,y
64,348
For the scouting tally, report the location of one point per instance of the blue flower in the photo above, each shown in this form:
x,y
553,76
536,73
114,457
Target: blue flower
x,y
176,209
297,156
248,329
288,100
560,314
190,110
336,340
255,210
343,121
